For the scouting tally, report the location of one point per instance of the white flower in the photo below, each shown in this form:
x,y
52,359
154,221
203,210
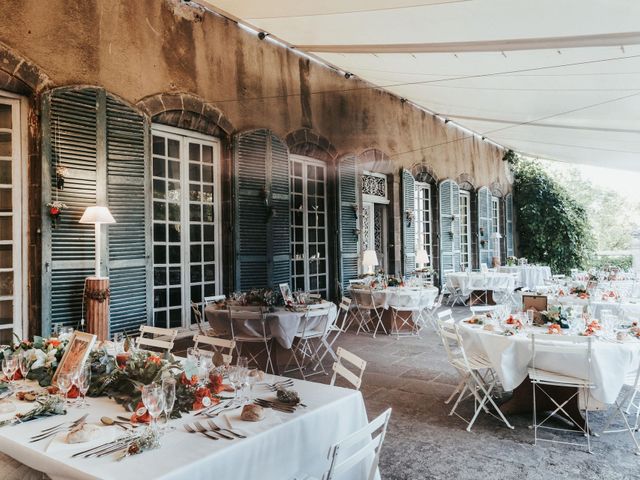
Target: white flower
x,y
40,359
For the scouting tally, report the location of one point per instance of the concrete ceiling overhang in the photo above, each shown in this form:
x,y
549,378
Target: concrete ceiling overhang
x,y
549,79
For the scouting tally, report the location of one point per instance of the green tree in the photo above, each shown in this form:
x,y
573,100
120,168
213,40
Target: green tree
x,y
553,228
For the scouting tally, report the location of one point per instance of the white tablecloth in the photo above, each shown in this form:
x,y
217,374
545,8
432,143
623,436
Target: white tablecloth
x,y
510,356
490,281
296,443
282,324
405,296
530,276
626,309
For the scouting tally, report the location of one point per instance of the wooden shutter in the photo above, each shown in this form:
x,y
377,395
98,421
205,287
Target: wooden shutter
x,y
408,227
449,195
485,223
508,201
261,211
100,142
129,244
279,230
349,208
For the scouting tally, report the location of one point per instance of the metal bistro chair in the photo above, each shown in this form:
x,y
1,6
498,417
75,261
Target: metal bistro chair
x,y
314,325
543,347
369,312
218,345
161,338
477,288
249,325
430,313
339,368
412,310
343,321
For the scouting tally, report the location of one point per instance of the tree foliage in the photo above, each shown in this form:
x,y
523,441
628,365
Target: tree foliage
x,y
553,228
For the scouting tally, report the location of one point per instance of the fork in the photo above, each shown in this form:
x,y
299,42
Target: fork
x,y
201,428
55,431
190,429
283,384
216,429
275,406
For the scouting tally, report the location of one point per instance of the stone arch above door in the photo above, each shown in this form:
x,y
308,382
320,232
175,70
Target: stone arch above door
x,y
20,75
308,143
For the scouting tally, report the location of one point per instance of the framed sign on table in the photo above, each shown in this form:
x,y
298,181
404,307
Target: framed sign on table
x,y
76,353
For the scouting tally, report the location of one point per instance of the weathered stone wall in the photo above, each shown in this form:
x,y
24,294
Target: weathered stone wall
x,y
138,49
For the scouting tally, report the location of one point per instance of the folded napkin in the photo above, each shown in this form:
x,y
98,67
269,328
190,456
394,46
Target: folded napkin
x,y
20,407
104,434
233,421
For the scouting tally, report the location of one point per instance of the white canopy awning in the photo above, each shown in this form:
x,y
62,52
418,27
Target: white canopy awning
x,y
547,78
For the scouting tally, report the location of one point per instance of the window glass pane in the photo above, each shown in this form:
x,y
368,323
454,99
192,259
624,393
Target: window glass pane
x,y
6,230
158,145
196,273
174,232
160,318
159,254
6,283
159,233
207,154
194,152
195,233
174,212
174,253
6,256
6,203
5,144
194,172
159,211
159,168
159,276
160,298
5,171
174,148
174,170
5,116
159,189
175,277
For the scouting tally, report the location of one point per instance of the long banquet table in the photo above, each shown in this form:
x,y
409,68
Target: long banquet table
x,y
286,447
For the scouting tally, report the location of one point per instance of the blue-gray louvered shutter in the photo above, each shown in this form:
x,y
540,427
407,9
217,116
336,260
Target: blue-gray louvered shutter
x,y
485,223
349,208
408,227
101,144
250,210
69,141
129,244
279,230
509,224
449,196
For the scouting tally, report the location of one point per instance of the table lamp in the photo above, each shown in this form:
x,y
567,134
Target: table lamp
x,y
97,216
422,257
369,260
96,289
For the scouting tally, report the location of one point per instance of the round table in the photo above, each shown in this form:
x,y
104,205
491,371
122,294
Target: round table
x,y
490,281
510,356
623,309
531,276
405,296
281,323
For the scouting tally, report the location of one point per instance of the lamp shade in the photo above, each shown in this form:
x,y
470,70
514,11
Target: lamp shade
x,y
369,258
496,235
97,215
422,257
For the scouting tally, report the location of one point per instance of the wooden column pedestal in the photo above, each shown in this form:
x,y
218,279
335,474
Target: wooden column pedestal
x,y
97,306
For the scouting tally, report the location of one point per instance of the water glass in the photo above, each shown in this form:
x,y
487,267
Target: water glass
x,y
24,362
169,390
9,367
64,333
153,399
242,362
193,356
64,381
252,379
83,381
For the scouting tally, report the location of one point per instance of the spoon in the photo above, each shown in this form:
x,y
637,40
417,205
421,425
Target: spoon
x,y
110,421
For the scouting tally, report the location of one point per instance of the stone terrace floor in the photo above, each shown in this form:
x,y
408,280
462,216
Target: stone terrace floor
x,y
412,376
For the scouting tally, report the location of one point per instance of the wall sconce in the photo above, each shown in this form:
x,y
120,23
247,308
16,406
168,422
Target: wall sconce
x,y
355,209
265,196
482,232
409,215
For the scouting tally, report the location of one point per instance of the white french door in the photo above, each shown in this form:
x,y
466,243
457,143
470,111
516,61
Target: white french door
x,y
465,230
423,219
495,215
12,262
186,226
309,265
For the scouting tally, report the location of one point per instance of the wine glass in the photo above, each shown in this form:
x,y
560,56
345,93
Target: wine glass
x,y
252,379
169,390
9,367
65,333
82,381
64,381
153,399
242,362
25,366
234,373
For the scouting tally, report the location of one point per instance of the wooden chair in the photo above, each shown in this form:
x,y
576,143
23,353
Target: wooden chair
x,y
340,369
221,345
162,338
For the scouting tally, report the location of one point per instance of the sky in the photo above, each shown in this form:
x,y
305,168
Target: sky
x,y
625,182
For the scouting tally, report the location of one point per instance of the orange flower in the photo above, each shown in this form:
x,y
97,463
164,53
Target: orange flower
x,y
73,392
54,342
144,418
154,359
554,329
201,394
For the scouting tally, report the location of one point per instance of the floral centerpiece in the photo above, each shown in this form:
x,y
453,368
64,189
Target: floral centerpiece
x,y
394,282
512,261
44,354
580,292
265,297
555,316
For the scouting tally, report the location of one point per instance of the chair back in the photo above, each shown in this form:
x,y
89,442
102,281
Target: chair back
x,y
221,345
316,320
363,298
344,310
549,353
450,338
438,302
368,449
161,338
239,315
340,369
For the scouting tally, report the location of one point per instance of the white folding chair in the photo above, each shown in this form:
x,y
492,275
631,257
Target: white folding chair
x,y
476,288
220,345
369,312
453,290
340,325
314,325
249,325
570,345
161,338
632,380
339,368
367,449
410,306
474,371
498,311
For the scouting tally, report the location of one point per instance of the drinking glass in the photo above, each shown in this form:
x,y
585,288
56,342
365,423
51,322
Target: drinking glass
x,y
25,366
206,364
252,379
9,367
82,381
169,390
234,375
153,399
118,342
64,380
193,356
242,362
64,333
